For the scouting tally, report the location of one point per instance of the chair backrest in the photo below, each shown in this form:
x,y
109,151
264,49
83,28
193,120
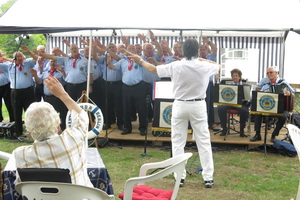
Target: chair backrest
x,y
67,191
45,174
294,132
4,155
175,165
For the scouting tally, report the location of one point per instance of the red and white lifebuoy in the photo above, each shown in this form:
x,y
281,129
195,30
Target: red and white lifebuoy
x,y
95,110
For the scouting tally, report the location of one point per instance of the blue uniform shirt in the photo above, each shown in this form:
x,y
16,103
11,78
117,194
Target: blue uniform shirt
x,y
112,75
57,74
24,77
74,75
149,77
167,59
130,77
279,81
95,69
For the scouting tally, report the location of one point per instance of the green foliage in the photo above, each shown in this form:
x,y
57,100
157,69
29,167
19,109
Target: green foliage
x,y
10,43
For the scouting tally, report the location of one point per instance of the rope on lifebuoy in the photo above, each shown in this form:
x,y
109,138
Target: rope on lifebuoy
x,y
95,110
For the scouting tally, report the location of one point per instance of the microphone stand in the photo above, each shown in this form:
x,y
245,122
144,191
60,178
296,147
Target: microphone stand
x,y
14,135
148,99
106,140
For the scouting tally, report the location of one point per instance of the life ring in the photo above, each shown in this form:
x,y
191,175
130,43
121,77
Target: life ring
x,y
95,110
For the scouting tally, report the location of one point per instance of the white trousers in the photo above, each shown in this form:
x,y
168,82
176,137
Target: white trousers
x,y
195,112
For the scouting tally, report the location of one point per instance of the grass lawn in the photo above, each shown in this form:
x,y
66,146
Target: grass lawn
x,y
238,174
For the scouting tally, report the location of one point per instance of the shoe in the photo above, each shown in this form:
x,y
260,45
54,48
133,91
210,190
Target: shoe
x,y
143,132
273,138
106,127
224,131
208,184
216,129
242,134
125,132
181,184
257,137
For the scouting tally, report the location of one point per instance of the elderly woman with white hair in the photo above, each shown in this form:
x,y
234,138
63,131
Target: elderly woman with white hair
x,y
51,150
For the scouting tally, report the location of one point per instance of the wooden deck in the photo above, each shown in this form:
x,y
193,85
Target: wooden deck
x,y
232,138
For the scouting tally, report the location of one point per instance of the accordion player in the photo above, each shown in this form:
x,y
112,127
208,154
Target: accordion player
x,y
273,84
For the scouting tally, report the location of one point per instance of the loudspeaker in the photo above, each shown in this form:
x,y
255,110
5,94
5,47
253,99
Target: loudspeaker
x,y
7,129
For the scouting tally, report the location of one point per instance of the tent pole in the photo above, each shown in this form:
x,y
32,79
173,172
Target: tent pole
x,y
281,67
89,65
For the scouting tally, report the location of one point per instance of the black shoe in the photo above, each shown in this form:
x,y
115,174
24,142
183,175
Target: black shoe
x,y
125,132
181,184
224,131
255,138
242,134
106,127
208,184
273,138
143,132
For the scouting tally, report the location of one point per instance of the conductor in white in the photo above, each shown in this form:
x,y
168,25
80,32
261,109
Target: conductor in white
x,y
190,78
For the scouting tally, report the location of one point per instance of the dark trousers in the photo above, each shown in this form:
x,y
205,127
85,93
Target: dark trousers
x,y
98,96
21,99
113,103
38,92
75,90
209,103
136,93
243,112
60,107
150,104
280,122
5,94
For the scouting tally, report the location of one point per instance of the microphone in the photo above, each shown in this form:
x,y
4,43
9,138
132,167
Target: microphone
x,y
114,33
25,36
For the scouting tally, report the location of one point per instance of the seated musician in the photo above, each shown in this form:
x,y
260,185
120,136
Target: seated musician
x,y
236,76
266,86
49,149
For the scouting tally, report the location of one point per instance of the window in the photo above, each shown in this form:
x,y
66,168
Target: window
x,y
244,59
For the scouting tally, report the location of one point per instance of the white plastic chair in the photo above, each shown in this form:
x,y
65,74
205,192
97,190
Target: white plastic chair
x,y
67,191
172,165
294,132
4,155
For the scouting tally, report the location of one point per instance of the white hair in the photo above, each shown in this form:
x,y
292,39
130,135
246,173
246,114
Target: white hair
x,y
40,47
41,120
275,68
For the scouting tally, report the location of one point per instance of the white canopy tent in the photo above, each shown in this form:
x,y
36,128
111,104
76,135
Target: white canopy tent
x,y
256,18
44,16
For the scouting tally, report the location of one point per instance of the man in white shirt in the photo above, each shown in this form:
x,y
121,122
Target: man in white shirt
x,y
190,78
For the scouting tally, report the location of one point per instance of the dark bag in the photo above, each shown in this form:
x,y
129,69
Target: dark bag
x,y
296,118
285,148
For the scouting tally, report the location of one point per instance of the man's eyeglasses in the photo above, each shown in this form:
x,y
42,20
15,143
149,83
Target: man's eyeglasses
x,y
270,72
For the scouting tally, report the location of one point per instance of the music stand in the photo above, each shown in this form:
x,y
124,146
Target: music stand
x,y
233,96
267,104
